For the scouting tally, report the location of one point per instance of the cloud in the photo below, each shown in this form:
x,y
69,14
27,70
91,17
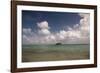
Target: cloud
x,y
61,35
84,25
26,30
78,34
43,25
44,28
44,31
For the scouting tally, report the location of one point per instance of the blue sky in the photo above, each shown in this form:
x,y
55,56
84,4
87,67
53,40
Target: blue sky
x,y
42,27
56,20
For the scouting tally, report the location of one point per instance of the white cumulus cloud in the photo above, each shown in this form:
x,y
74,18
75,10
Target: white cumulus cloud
x,y
43,25
44,31
44,28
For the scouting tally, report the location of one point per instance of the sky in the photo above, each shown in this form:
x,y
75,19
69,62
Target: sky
x,y
42,27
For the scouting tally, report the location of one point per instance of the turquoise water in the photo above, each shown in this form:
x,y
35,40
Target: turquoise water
x,y
33,53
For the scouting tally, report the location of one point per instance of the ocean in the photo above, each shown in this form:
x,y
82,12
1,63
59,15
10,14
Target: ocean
x,y
36,53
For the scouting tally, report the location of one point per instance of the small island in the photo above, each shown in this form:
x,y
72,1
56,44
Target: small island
x,y
58,43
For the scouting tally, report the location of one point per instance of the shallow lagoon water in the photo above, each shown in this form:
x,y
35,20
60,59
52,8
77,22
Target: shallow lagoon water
x,y
36,53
